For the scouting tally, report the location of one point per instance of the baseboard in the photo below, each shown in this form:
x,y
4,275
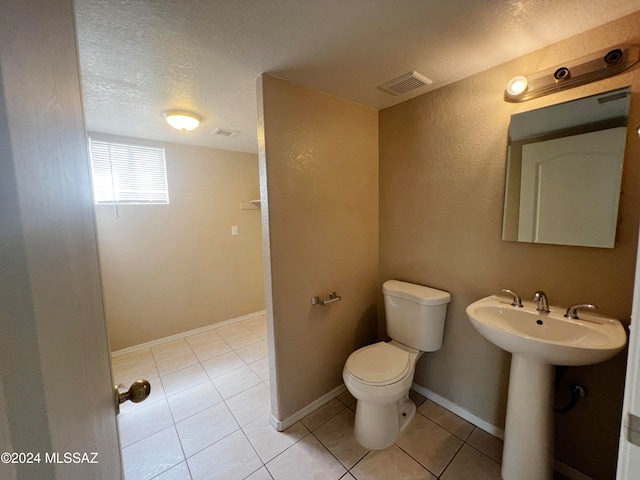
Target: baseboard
x,y
558,466
569,472
281,425
153,343
458,410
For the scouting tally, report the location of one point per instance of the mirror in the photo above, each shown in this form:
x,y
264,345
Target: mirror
x,y
564,169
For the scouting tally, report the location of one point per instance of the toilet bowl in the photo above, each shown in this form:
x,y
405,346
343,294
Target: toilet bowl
x,y
380,375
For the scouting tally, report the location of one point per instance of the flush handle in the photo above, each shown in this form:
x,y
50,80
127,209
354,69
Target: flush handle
x,y
138,392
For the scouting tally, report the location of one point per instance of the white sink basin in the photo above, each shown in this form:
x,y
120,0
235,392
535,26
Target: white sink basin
x,y
538,341
548,338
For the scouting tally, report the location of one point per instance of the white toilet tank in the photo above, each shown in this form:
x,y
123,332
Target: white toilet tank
x,y
415,314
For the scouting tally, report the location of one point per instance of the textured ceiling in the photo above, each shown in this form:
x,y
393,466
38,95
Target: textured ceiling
x,y
141,57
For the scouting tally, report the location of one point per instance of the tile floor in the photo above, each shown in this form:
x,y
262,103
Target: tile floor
x,y
207,419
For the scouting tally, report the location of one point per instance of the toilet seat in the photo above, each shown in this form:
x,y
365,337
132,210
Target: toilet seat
x,y
380,364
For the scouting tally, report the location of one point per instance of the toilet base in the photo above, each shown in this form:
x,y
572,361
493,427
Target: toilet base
x,y
378,426
407,412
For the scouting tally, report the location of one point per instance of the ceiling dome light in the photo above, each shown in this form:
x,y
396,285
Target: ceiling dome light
x,y
516,86
181,120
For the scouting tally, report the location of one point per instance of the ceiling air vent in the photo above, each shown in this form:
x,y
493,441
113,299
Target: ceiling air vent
x,y
405,83
224,132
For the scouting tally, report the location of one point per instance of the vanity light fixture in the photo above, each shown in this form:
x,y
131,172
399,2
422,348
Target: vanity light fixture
x,y
181,120
587,69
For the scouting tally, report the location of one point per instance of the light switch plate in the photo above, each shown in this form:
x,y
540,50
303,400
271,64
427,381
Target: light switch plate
x,y
234,230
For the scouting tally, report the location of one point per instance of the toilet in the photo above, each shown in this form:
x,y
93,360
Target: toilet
x,y
379,376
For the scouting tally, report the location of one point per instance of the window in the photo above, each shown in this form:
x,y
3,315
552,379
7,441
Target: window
x,y
126,173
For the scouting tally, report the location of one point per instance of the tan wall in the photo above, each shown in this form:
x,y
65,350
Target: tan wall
x,y
442,169
319,167
167,269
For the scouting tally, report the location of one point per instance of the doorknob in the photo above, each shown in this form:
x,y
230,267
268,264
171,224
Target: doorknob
x,y
138,392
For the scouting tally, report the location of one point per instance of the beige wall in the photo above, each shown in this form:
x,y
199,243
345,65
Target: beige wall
x,y
442,169
319,174
167,269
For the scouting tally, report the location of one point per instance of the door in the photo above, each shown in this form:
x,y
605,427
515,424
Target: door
x,y
629,448
575,181
56,393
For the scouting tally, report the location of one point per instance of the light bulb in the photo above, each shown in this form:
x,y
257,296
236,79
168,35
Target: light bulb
x,y
517,85
181,120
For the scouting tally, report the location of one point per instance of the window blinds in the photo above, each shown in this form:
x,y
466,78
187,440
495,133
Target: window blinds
x,y
125,173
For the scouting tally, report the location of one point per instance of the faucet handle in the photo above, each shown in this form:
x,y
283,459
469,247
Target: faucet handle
x,y
517,301
572,311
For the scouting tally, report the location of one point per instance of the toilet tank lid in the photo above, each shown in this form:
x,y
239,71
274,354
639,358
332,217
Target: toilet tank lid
x,y
415,293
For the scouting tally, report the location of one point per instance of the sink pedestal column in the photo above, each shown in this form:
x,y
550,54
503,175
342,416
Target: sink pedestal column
x,y
528,437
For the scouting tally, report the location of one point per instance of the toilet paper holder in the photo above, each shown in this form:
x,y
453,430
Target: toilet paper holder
x,y
333,297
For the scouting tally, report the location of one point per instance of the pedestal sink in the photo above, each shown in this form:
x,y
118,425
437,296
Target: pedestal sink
x,y
539,341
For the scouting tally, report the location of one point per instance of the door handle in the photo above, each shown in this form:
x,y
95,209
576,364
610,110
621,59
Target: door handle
x,y
138,392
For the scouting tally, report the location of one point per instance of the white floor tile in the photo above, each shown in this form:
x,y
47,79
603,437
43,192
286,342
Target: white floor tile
x,y
134,366
261,367
250,404
322,414
239,462
261,474
222,364
392,463
193,400
253,352
238,336
202,338
337,436
179,472
132,360
212,350
306,460
429,443
447,420
153,455
268,442
183,379
256,322
470,463
488,444
143,422
205,428
232,329
173,363
235,382
169,349
258,326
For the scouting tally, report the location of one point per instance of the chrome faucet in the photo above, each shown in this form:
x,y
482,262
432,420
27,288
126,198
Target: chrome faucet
x,y
572,311
517,301
543,302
